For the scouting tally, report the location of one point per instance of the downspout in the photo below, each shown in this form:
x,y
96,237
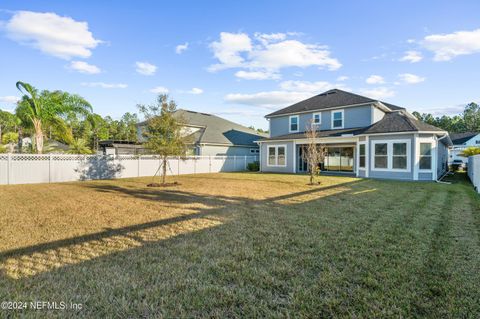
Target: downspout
x,y
439,180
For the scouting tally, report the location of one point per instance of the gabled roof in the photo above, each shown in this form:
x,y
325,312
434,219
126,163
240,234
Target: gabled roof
x,y
329,99
399,122
216,130
460,138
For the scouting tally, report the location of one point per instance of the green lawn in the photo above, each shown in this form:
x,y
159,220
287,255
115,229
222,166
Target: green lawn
x,y
243,245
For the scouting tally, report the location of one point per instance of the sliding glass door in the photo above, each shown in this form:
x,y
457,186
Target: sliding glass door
x,y
339,159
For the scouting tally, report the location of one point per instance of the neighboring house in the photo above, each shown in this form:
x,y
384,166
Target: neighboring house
x,y
460,142
213,135
364,137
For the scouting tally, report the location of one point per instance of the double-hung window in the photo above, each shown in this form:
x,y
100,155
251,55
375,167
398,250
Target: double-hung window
x,y
399,160
425,156
391,155
317,118
337,119
361,156
276,156
293,123
381,155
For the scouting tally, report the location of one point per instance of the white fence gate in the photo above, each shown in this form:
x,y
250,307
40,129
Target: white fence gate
x,y
52,168
474,171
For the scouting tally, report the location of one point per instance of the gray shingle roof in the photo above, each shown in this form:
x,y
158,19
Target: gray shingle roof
x,y
460,138
328,99
399,122
216,130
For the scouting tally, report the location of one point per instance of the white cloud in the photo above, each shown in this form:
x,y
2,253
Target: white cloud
x,y
52,34
159,90
378,93
84,67
145,68
105,85
195,91
375,79
306,86
409,78
342,78
412,56
9,99
257,75
290,92
447,46
181,47
269,54
228,50
270,99
447,110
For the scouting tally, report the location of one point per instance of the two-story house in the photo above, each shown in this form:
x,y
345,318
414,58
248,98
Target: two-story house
x,y
362,136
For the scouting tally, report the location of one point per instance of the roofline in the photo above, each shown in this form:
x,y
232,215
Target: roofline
x,y
221,144
376,103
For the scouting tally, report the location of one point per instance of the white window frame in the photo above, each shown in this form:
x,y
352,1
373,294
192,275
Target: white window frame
x,y
420,142
390,155
366,157
290,123
319,117
276,147
332,119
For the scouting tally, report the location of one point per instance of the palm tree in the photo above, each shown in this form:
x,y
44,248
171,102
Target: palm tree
x,y
79,146
45,109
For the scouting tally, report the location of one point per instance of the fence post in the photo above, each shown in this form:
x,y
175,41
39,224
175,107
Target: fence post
x,y
138,166
9,168
50,167
194,165
245,162
178,165
234,163
209,163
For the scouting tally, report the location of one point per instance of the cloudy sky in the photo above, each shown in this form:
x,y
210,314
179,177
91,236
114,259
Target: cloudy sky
x,y
243,59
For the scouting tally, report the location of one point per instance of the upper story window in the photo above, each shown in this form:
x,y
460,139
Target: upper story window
x,y
337,119
317,118
477,142
293,123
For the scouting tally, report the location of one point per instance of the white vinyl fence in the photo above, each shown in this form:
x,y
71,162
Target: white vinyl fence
x,y
52,168
474,171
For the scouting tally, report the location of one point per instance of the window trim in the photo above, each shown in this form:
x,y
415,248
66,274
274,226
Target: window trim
x,y
276,147
366,157
423,170
332,119
390,156
290,123
319,117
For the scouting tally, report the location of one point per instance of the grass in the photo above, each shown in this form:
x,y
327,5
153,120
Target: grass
x,y
243,245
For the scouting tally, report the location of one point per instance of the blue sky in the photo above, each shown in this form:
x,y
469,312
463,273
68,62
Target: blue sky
x,y
244,59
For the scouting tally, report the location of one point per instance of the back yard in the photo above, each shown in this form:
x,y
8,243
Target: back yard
x,y
240,244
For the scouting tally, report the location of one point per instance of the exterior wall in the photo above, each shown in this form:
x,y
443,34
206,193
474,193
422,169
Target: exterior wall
x,y
391,174
442,158
358,116
289,153
377,114
219,150
474,171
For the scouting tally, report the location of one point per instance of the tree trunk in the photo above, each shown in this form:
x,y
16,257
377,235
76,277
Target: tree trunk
x,y
164,169
37,124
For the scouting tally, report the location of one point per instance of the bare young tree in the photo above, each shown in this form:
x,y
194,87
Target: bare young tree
x,y
313,153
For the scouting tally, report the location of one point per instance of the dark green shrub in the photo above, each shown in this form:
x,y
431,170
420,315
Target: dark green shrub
x,y
254,166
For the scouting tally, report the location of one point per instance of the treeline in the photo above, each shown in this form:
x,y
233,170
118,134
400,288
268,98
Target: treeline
x,y
468,121
47,116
